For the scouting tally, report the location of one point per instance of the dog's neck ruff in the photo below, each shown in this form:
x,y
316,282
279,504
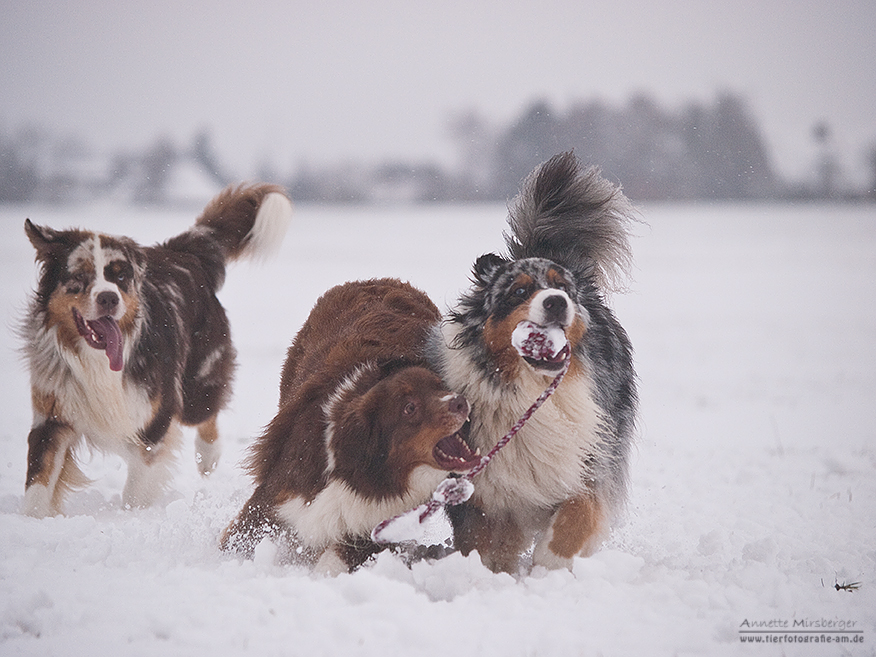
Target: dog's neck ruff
x,y
453,491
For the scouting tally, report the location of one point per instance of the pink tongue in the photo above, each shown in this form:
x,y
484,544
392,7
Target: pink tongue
x,y
108,329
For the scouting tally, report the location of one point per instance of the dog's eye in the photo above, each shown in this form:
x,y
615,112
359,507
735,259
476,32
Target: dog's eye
x,y
119,273
518,295
410,408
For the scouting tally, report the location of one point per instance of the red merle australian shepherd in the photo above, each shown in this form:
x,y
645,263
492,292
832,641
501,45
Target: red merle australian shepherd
x,y
126,342
364,430
558,484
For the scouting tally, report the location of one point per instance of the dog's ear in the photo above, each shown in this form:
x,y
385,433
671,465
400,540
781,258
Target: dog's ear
x,y
486,266
46,241
360,444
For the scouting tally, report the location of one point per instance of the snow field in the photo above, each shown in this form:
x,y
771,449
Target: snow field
x,y
753,479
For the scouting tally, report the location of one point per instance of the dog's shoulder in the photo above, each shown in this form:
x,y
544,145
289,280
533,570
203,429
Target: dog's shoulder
x,y
363,321
356,336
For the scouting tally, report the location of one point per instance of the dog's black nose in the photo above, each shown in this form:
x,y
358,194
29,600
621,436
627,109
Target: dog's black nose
x,y
459,404
555,308
107,302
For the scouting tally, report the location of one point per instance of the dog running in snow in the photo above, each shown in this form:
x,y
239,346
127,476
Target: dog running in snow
x,y
126,342
364,429
559,483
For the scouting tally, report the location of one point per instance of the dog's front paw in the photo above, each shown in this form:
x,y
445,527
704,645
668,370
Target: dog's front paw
x,y
38,502
206,456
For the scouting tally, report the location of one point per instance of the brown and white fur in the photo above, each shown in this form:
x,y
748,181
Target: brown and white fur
x,y
364,431
127,342
559,483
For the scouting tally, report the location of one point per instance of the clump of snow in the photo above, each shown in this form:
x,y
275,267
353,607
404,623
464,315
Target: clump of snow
x,y
753,482
453,490
409,526
538,342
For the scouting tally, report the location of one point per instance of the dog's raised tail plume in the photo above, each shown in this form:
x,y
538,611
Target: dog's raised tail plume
x,y
248,221
574,217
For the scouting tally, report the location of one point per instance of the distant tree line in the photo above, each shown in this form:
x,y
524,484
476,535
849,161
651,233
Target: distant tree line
x,y
38,166
703,151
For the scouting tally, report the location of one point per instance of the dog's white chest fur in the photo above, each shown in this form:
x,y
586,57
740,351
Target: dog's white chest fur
x,y
545,462
338,511
104,408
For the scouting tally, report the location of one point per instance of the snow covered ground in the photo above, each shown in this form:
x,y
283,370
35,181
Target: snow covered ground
x,y
753,482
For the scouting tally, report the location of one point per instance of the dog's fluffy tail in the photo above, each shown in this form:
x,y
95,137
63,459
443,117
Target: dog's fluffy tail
x,y
247,221
573,217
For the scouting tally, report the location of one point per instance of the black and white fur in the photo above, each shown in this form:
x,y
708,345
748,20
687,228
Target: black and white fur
x,y
560,482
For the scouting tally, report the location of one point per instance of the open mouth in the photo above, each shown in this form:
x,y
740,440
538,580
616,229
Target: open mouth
x,y
553,364
453,454
545,348
104,334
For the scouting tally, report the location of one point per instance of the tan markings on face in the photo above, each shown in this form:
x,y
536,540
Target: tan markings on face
x,y
132,307
522,280
413,449
575,332
438,426
576,521
116,266
415,435
556,279
416,449
60,315
73,293
497,338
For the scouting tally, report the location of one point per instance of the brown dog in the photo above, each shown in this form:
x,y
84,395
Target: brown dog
x,y
364,430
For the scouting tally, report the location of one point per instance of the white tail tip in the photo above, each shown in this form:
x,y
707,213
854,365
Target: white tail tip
x,y
269,229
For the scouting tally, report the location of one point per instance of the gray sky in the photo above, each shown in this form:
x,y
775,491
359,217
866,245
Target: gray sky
x,y
322,80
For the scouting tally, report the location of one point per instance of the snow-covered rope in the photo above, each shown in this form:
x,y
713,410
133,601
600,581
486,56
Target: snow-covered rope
x,y
456,490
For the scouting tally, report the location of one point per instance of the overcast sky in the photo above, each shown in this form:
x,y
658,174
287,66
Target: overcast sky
x,y
322,80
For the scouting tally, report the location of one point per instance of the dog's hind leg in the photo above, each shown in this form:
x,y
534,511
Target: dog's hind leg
x,y
51,468
255,522
207,447
577,529
206,388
